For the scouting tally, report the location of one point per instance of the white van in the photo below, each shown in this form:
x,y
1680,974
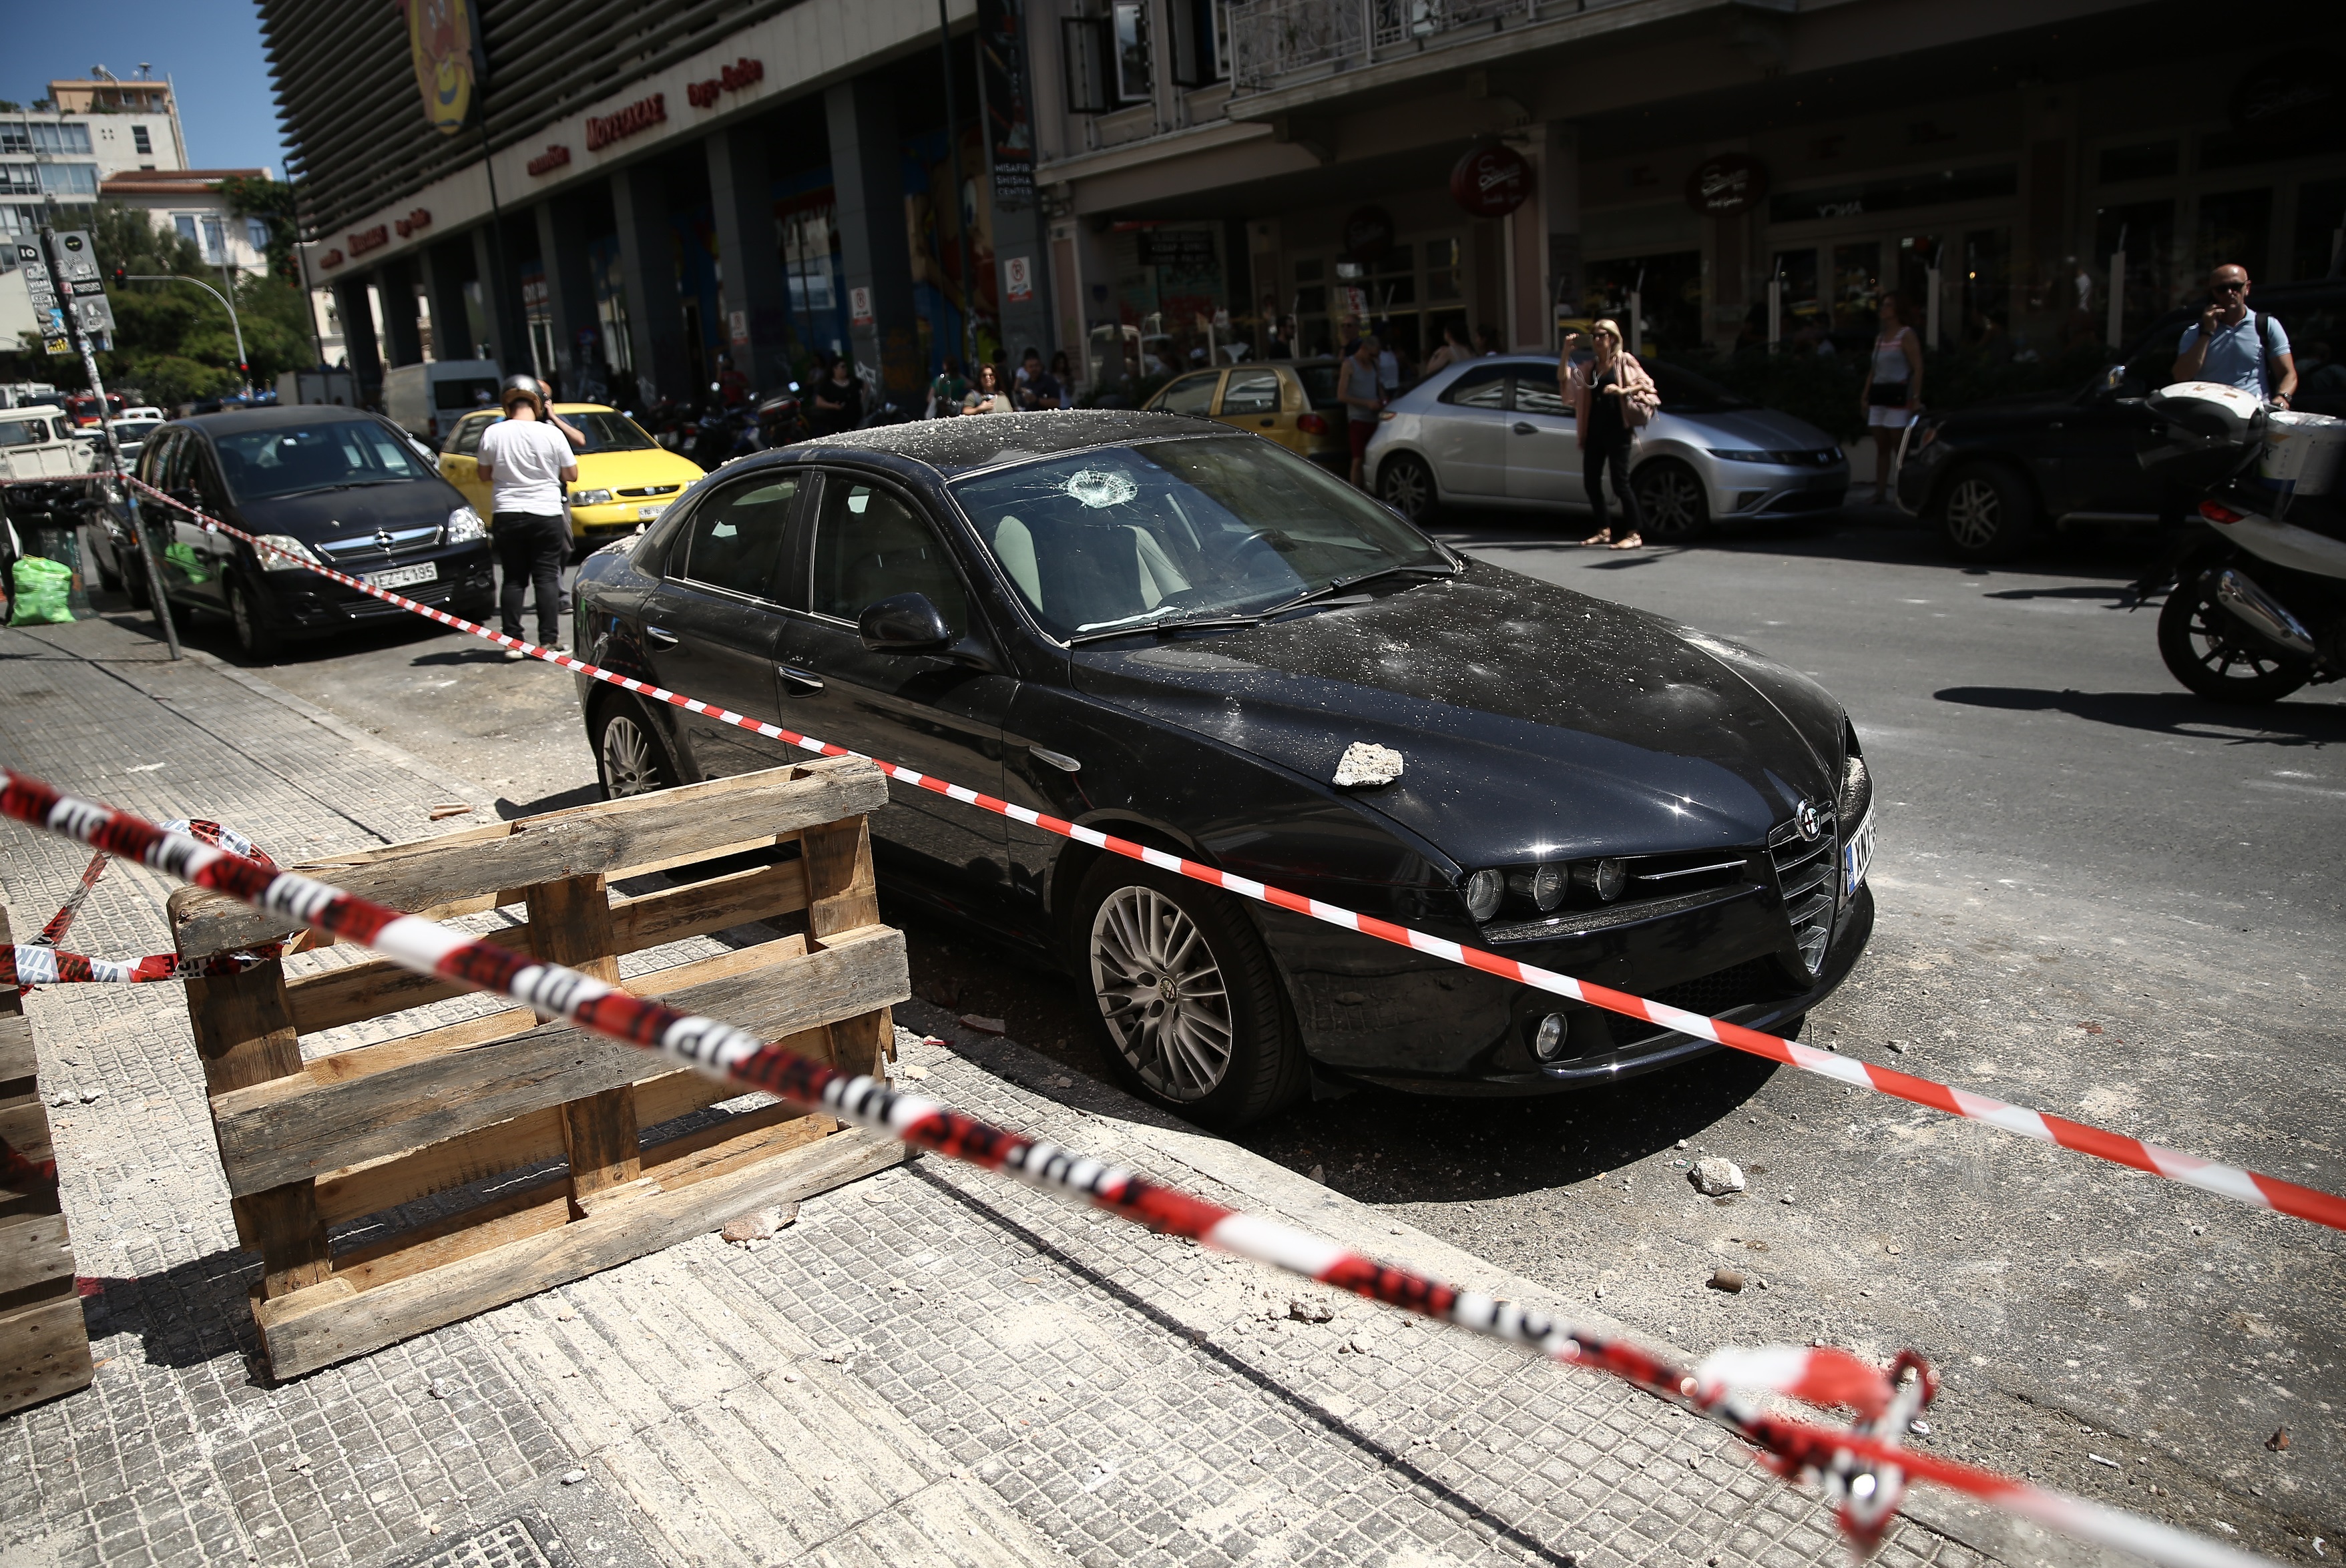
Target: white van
x,y
41,442
429,399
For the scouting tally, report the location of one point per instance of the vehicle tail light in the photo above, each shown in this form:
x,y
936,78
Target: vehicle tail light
x,y
1312,424
2217,511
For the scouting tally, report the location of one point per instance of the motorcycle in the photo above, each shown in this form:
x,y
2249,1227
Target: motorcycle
x,y
782,419
722,435
2258,602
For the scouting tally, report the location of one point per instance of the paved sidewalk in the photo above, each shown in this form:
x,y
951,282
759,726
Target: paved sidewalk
x,y
933,1365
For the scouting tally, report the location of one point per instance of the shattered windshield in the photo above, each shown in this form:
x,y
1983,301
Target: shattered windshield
x,y
1172,532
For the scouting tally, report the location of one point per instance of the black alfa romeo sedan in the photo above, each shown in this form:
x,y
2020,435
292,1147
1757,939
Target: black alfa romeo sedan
x,y
1184,634
336,485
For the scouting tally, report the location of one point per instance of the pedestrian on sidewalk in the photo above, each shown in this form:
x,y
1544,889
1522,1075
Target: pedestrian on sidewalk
x,y
1037,389
1612,397
1894,387
2235,345
526,462
946,392
838,399
1356,389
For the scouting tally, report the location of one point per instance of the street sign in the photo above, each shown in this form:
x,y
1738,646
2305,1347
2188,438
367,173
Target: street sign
x,y
42,294
78,286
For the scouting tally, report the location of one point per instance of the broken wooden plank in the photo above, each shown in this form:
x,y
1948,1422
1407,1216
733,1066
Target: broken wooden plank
x,y
44,1351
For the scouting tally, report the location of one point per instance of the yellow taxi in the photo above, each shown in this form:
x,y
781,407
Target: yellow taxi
x,y
624,477
1293,403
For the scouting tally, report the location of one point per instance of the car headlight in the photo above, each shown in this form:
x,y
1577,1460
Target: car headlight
x,y
590,498
1483,892
465,525
1740,455
1604,879
273,546
1543,885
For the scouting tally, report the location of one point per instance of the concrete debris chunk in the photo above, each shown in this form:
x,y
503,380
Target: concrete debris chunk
x,y
1366,764
573,1477
1310,1311
759,1224
2278,1441
1713,1176
1726,1280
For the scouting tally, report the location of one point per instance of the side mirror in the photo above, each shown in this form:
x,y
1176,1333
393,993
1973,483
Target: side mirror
x,y
904,622
2113,378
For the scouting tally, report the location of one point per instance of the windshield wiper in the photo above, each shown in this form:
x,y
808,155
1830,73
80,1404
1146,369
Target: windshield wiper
x,y
1154,621
1416,568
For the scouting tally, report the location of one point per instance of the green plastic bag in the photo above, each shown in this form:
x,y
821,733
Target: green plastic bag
x,y
41,588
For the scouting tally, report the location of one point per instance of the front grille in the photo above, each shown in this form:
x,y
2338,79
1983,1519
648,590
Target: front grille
x,y
371,550
650,490
1807,501
1755,980
1806,878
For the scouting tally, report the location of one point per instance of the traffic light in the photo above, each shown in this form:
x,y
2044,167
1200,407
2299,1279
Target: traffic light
x,y
121,274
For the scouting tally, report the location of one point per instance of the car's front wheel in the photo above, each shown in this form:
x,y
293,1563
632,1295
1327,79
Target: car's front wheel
x,y
1188,995
1986,513
255,620
630,756
2215,656
1672,506
1406,485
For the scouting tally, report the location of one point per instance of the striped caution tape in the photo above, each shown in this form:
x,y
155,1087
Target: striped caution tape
x,y
2246,1187
1862,1469
38,963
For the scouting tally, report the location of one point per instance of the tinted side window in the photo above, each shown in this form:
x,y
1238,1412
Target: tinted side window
x,y
155,455
869,544
1191,394
1251,391
734,539
1485,386
1534,395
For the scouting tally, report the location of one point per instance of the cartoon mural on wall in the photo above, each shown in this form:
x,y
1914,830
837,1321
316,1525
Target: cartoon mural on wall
x,y
443,42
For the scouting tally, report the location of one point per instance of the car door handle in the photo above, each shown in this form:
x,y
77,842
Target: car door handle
x,y
660,637
1271,424
801,682
1058,759
1523,429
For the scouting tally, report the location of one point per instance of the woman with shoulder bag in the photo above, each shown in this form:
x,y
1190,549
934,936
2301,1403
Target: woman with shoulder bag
x,y
1894,387
1612,398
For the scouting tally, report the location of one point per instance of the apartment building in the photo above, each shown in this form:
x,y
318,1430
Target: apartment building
x,y
83,134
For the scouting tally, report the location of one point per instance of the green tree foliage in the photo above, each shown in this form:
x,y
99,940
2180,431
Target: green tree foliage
x,y
173,341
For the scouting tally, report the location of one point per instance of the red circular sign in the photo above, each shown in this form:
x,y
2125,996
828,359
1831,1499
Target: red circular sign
x,y
1724,186
1492,180
1368,233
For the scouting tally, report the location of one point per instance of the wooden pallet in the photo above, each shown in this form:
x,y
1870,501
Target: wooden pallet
x,y
308,1146
44,1343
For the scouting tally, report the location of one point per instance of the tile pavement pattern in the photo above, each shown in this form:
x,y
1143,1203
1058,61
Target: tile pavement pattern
x,y
933,1365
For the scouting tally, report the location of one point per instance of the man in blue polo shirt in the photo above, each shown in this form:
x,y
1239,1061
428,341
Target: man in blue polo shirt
x,y
2236,346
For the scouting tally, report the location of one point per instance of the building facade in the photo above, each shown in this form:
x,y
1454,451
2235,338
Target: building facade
x,y
1729,171
188,202
83,134
765,187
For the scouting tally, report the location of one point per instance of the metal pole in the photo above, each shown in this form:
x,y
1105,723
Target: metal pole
x,y
496,233
2117,290
961,218
226,304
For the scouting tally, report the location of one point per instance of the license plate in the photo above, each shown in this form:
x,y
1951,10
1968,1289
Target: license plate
x,y
645,513
403,576
1856,855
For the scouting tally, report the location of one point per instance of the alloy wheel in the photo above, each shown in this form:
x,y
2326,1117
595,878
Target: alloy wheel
x,y
1974,513
1408,489
631,761
1161,991
2220,647
1672,502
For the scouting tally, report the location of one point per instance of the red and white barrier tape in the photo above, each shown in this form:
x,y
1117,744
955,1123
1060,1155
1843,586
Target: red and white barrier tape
x,y
2246,1187
1863,1470
38,963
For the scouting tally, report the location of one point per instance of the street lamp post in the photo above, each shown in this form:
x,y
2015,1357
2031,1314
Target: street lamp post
x,y
243,366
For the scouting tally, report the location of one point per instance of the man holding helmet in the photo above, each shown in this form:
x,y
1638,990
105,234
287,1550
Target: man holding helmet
x,y
526,463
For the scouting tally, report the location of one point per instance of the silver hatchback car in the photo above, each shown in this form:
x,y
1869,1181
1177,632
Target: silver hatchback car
x,y
1495,432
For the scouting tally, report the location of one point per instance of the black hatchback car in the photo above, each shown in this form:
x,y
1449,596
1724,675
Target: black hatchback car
x,y
336,485
1184,634
1989,476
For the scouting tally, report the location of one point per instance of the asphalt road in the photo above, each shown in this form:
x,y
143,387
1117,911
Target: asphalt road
x,y
2098,895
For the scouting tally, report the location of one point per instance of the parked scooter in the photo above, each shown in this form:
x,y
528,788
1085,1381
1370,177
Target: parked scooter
x,y
782,419
2259,606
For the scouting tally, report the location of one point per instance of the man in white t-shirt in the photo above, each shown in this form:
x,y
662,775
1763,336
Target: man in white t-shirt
x,y
527,462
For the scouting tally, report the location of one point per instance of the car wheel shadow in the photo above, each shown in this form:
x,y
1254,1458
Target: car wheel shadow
x,y
2175,713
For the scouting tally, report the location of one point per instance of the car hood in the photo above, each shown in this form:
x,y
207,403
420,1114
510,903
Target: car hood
x,y
1764,429
361,509
1535,722
633,469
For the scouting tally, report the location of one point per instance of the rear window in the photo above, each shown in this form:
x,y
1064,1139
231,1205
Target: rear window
x,y
1319,385
459,392
1485,386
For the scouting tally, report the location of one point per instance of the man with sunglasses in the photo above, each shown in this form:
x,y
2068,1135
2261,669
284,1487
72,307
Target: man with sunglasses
x,y
2235,345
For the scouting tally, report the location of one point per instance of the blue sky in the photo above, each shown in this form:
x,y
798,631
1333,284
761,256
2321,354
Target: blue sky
x,y
210,48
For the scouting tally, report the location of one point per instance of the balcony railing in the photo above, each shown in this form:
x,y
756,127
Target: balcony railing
x,y
1272,39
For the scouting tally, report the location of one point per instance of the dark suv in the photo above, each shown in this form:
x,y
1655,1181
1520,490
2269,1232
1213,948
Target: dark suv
x,y
1990,475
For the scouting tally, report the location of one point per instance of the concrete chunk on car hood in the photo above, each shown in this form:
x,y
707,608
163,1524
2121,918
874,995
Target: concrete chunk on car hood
x,y
1538,722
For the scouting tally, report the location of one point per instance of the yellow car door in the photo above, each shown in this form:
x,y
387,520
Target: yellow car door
x,y
1254,398
460,464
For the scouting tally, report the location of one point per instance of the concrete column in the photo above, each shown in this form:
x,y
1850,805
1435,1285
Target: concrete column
x,y
647,272
508,326
868,186
404,343
748,256
444,287
1559,198
358,336
570,288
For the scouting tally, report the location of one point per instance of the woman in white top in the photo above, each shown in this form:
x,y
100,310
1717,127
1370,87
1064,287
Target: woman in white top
x,y
1894,387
